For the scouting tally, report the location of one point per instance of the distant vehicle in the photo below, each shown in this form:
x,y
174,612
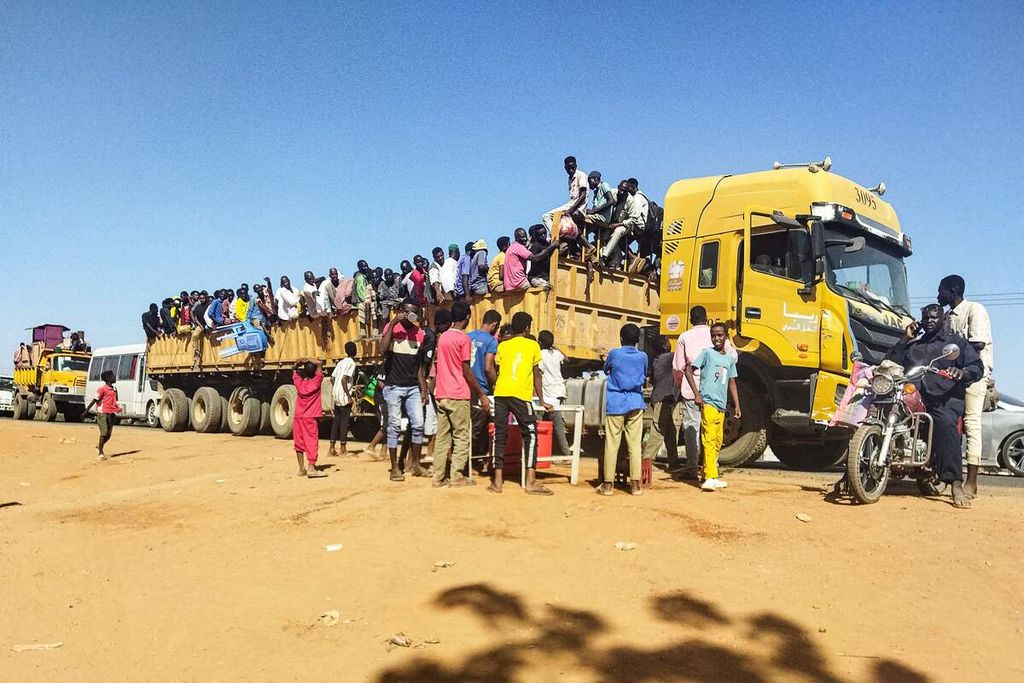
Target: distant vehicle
x,y
49,376
136,393
1002,432
7,395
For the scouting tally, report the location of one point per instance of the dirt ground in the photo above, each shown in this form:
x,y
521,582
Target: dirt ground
x,y
202,557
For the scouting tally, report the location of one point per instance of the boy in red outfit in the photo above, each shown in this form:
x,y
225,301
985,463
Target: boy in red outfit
x,y
307,378
106,397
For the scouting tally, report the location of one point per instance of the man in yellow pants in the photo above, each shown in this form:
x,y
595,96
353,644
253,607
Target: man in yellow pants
x,y
717,377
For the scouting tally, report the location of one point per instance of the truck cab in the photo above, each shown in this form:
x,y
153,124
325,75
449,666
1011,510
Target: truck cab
x,y
807,270
51,381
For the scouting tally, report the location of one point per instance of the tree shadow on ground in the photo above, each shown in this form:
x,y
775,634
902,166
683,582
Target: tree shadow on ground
x,y
763,646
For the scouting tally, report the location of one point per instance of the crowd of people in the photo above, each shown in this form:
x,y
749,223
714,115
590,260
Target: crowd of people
x,y
614,229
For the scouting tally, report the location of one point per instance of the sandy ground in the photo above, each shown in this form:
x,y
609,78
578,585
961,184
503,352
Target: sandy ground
x,y
202,557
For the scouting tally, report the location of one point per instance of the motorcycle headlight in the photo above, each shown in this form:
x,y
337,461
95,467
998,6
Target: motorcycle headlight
x,y
882,385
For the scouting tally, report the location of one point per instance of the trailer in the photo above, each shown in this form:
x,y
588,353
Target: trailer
x,y
212,388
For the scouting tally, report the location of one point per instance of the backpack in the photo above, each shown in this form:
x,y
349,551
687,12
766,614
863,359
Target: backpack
x,y
655,215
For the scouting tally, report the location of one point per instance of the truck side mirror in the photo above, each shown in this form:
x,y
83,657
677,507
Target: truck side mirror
x,y
817,240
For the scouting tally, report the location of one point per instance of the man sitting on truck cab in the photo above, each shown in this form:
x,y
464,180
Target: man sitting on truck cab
x,y
599,215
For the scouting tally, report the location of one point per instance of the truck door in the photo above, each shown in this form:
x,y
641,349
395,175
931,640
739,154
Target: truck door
x,y
711,280
775,260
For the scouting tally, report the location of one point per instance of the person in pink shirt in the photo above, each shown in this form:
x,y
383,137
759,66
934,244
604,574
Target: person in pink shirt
x,y
307,377
106,397
516,257
455,382
690,344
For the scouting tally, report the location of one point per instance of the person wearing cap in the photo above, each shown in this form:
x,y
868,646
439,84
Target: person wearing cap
x,y
474,279
577,194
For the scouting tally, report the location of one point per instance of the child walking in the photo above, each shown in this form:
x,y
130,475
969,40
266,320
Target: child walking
x,y
717,375
307,378
107,398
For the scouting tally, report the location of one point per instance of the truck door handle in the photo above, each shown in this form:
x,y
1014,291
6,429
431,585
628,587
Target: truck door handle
x,y
752,313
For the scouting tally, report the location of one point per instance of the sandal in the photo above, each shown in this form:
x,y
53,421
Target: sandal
x,y
315,474
397,476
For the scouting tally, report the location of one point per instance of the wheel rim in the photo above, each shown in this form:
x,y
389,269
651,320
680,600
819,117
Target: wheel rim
x,y
281,411
1015,453
200,408
166,413
151,417
871,476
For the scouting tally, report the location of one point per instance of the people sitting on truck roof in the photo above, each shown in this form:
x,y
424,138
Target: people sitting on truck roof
x,y
328,288
151,322
166,318
595,219
77,344
443,273
541,248
496,271
477,280
215,311
287,300
518,255
577,194
626,219
310,296
265,304
462,268
389,296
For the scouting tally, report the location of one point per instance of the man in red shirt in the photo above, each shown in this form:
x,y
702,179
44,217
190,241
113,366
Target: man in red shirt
x,y
455,381
107,398
307,377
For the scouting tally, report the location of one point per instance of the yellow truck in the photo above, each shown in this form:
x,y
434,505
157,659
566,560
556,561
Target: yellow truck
x,y
807,269
250,393
49,380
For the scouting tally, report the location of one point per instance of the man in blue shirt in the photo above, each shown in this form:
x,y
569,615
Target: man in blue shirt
x,y
626,368
485,346
215,312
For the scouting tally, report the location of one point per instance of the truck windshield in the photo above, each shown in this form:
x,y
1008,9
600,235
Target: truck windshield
x,y
874,274
68,364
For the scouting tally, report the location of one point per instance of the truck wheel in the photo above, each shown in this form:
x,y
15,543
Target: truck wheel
x,y
48,409
174,411
224,416
282,407
74,413
812,457
207,414
152,416
20,408
244,412
265,419
745,439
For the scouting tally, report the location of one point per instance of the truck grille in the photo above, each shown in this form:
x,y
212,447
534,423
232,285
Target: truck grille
x,y
873,339
80,382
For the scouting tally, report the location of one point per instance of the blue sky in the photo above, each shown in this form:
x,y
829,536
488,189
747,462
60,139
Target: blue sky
x,y
150,147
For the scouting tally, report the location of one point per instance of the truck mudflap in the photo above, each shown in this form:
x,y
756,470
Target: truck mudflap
x,y
826,392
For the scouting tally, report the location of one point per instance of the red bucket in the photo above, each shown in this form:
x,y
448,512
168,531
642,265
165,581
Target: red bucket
x,y
514,445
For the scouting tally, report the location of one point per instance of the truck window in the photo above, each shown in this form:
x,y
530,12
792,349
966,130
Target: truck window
x,y
782,252
707,277
126,366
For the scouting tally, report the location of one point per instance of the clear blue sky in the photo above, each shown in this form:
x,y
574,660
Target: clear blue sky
x,y
147,148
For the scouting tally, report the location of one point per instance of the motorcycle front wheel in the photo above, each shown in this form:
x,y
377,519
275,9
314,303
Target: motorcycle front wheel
x,y
867,481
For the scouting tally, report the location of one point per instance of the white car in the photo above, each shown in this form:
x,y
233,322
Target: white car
x,y
6,395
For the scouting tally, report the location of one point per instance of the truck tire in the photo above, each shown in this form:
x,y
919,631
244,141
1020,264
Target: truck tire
x,y
746,439
48,409
20,408
207,413
73,413
224,416
265,419
810,457
282,407
174,411
244,412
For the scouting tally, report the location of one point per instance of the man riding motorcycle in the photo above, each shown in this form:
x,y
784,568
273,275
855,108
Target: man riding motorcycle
x,y
943,393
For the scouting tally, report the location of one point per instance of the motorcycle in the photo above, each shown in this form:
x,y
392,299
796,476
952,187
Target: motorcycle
x,y
895,439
